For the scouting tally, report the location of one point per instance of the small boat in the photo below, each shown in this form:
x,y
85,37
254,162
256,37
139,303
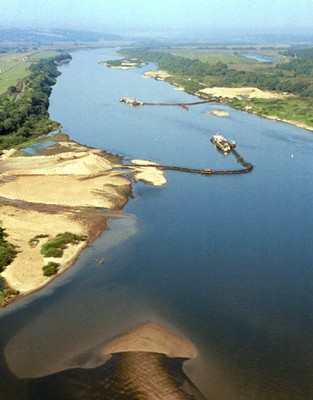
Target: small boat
x,y
222,144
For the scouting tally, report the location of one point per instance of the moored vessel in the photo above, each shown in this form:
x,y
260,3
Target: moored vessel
x,y
131,102
222,144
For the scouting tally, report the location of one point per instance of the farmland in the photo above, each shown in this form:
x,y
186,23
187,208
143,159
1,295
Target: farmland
x,y
15,67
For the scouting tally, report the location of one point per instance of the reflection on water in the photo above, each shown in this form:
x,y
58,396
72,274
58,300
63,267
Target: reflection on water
x,y
226,261
136,375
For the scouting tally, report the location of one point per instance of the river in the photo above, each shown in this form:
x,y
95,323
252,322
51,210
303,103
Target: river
x,y
223,260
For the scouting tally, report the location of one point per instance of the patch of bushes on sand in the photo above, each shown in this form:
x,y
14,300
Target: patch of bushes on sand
x,y
7,250
36,239
55,246
6,293
51,268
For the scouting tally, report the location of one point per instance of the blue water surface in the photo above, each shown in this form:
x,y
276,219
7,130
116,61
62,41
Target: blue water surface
x,y
223,260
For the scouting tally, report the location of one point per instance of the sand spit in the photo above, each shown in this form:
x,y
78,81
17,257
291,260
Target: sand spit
x,y
156,74
242,93
218,113
148,174
151,338
58,191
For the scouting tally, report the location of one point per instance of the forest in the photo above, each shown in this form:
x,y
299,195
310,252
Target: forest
x,y
24,107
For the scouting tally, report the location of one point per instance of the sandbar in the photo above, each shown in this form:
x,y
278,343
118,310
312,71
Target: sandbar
x,y
157,74
218,113
66,190
152,338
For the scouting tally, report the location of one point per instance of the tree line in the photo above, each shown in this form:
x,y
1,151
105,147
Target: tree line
x,y
24,107
294,77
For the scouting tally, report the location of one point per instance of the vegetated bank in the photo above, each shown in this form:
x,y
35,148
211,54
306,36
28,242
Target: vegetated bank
x,y
24,107
293,78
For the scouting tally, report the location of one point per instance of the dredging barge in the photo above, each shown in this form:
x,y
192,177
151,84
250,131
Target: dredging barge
x,y
247,167
131,102
222,144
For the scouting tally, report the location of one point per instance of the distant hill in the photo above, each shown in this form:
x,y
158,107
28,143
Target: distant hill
x,y
42,36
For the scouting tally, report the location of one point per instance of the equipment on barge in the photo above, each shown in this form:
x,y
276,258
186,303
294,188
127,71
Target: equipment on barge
x,y
131,102
222,144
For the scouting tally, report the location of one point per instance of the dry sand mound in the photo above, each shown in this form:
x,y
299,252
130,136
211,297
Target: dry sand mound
x,y
243,93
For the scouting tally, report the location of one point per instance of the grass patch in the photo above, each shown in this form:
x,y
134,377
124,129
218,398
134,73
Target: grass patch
x,y
13,75
36,239
55,246
51,268
293,109
18,69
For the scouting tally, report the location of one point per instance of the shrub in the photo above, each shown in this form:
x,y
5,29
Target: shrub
x,y
50,269
7,251
55,246
5,295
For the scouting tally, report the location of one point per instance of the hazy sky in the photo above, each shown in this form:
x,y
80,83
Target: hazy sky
x,y
289,16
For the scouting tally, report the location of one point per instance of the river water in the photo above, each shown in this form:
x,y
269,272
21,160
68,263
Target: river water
x,y
260,58
226,261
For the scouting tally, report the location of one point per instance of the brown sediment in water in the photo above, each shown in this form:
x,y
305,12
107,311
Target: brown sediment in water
x,y
146,363
152,338
126,376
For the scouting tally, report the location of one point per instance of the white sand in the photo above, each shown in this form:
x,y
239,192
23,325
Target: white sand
x,y
218,113
25,272
156,74
244,92
149,174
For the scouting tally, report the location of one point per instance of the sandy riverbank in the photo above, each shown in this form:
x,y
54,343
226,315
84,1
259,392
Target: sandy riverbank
x,y
242,93
157,74
58,192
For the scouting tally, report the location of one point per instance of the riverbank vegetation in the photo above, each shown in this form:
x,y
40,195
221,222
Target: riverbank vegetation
x,y
7,250
24,106
7,254
293,76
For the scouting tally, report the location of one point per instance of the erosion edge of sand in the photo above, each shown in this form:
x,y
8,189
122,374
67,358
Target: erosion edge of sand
x,y
66,188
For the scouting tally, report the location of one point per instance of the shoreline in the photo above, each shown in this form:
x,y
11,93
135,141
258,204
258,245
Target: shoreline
x,y
164,76
89,190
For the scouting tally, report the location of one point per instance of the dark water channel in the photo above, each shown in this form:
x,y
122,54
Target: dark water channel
x,y
224,260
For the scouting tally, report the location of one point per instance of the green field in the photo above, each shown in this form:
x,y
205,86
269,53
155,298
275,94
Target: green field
x,y
231,57
14,67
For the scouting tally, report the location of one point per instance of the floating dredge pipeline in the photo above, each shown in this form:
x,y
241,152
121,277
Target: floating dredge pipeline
x,y
221,143
183,105
137,103
206,171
